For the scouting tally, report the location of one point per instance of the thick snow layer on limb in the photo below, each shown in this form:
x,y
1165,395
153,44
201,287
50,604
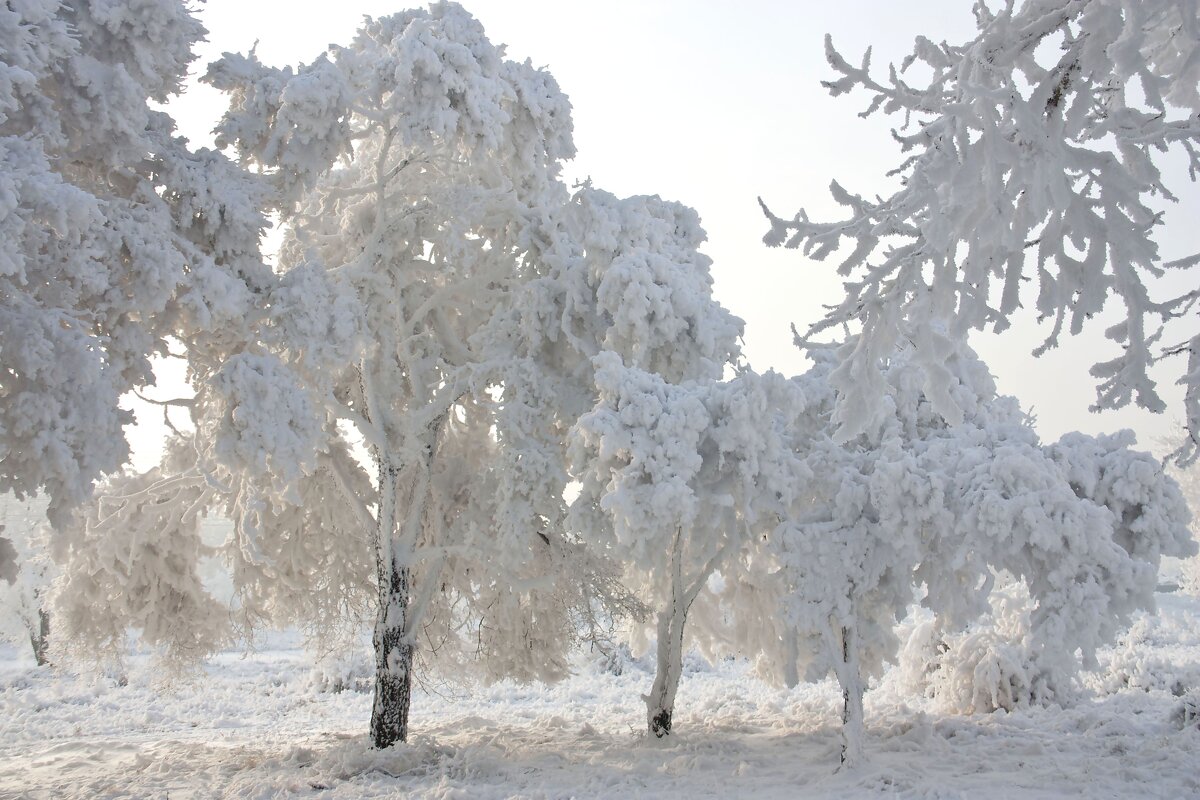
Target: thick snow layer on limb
x,y
1031,153
117,236
646,289
268,423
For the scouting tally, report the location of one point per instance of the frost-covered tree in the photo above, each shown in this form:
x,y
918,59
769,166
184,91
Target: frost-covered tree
x,y
1032,153
672,476
846,571
1188,478
622,289
416,172
440,299
116,235
25,574
1081,525
916,508
132,556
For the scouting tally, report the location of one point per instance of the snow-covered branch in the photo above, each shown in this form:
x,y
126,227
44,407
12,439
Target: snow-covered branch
x,y
1009,153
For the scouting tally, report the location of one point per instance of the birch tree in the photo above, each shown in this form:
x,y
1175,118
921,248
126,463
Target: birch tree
x,y
416,170
624,315
674,472
919,509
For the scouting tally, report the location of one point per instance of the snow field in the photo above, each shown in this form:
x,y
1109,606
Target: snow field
x,y
259,726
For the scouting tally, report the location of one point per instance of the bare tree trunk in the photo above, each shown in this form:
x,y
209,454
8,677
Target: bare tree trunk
x,y
393,648
393,665
660,703
850,678
39,638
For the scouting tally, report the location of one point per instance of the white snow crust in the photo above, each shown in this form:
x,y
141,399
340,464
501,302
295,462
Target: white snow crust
x,y
266,725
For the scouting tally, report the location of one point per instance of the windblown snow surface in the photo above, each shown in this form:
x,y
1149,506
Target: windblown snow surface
x,y
268,725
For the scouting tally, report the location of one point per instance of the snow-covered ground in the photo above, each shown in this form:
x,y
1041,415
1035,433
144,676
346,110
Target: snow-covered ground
x,y
261,726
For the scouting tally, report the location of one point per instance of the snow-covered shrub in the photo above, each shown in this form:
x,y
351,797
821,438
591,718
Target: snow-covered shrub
x,y
617,660
986,667
1130,667
1186,713
347,667
1133,664
993,663
981,672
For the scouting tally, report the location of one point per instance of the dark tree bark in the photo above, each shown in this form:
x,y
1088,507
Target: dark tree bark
x,y
393,664
39,638
392,640
852,699
393,653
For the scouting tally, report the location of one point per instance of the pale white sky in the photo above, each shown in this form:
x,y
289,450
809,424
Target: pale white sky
x,y
713,104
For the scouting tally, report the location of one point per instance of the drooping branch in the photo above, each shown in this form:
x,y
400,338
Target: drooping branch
x,y
1008,154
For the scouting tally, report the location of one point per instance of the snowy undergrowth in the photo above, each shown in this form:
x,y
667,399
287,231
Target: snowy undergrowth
x,y
263,726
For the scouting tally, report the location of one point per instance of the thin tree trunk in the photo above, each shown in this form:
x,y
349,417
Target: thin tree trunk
x,y
850,678
393,648
39,638
660,703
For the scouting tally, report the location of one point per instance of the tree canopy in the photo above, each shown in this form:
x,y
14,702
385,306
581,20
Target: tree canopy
x,y
1032,156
